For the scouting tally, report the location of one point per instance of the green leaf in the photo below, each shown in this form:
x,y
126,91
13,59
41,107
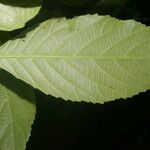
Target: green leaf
x,y
17,112
89,58
15,13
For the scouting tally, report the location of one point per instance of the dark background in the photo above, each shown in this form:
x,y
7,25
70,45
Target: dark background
x,y
120,124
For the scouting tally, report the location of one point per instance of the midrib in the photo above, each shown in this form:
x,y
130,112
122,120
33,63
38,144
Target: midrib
x,y
5,56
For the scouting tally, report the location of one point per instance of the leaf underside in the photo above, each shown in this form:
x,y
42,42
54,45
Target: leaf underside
x,y
88,58
15,15
17,111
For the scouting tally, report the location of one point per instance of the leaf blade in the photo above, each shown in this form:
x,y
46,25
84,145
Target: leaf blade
x,y
14,14
17,111
87,58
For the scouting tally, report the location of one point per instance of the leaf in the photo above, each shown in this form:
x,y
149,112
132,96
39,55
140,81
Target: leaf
x,y
89,58
15,13
17,111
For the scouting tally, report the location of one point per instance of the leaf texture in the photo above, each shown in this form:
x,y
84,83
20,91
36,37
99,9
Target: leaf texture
x,y
88,58
15,13
17,111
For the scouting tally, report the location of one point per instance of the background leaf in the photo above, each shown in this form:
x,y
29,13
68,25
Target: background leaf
x,y
17,112
15,13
